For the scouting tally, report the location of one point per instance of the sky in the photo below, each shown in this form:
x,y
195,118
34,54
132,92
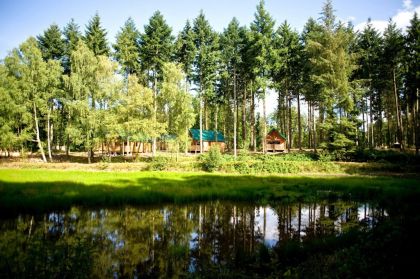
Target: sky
x,y
20,19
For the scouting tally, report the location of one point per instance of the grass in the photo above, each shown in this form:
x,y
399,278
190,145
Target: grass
x,y
45,189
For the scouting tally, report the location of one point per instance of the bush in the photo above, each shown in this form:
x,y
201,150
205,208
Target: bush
x,y
213,160
159,163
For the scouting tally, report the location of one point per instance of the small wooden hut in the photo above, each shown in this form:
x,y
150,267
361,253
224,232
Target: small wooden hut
x,y
117,147
210,138
275,142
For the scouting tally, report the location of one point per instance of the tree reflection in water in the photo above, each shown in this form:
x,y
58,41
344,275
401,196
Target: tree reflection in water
x,y
170,241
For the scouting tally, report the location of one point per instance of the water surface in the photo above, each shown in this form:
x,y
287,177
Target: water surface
x,y
166,241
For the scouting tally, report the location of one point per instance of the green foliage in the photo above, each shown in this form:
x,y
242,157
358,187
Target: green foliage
x,y
206,62
176,105
72,36
51,43
156,45
95,37
160,163
185,50
127,47
212,161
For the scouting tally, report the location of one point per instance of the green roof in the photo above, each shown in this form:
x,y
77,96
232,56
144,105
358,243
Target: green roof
x,y
208,135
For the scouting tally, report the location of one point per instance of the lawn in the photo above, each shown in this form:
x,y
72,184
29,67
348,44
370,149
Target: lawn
x,y
42,189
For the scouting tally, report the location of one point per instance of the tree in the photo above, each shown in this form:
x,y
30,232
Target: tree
x,y
127,48
39,81
331,66
92,85
178,103
95,37
393,51
369,44
72,36
261,41
132,117
156,49
185,51
287,75
231,45
51,43
15,120
206,64
412,75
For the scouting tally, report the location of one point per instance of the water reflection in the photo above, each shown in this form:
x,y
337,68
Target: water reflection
x,y
171,241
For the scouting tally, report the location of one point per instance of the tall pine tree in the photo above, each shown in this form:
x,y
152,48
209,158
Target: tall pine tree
x,y
51,43
127,48
206,64
262,53
156,47
95,37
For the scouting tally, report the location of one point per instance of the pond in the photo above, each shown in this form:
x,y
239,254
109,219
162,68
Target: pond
x,y
170,241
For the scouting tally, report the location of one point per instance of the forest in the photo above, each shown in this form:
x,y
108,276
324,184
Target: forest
x,y
337,89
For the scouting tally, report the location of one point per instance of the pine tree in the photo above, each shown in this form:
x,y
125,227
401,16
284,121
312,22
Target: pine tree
x,y
331,67
287,75
392,54
185,50
412,76
127,48
72,36
51,43
231,45
262,53
156,49
95,37
206,64
369,44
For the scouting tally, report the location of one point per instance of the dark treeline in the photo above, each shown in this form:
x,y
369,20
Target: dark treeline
x,y
337,89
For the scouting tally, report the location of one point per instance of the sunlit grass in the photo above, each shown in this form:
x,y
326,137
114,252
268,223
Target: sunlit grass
x,y
45,189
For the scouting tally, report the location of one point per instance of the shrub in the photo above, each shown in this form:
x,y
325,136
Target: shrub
x,y
159,163
212,161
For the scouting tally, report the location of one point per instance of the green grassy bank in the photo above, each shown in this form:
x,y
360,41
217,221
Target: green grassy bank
x,y
39,190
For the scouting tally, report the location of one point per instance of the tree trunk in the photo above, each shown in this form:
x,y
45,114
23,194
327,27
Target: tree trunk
x,y
372,139
49,135
363,123
244,118
206,122
314,126
290,124
38,138
154,112
234,115
253,136
186,142
398,113
265,122
299,123
417,123
201,118
309,125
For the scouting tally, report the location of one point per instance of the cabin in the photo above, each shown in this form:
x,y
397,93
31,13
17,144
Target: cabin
x,y
275,141
117,147
210,138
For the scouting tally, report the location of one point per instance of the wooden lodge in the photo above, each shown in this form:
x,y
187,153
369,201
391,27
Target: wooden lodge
x,y
210,138
275,142
120,147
